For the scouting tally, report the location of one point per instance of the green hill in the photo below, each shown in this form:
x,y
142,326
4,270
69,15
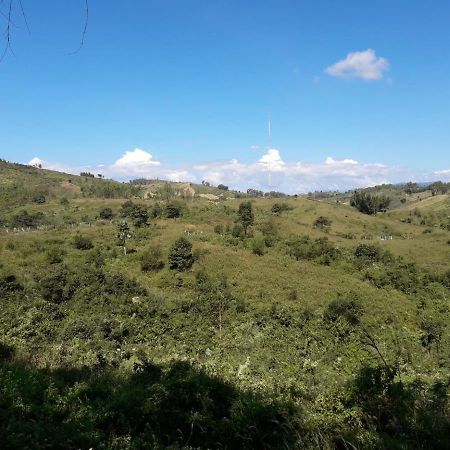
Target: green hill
x,y
300,333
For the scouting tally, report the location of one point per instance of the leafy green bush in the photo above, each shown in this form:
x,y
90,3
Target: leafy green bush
x,y
173,211
278,208
55,255
139,215
120,284
303,247
347,309
322,223
218,228
38,198
126,208
82,242
367,253
25,220
58,285
151,259
9,283
106,214
257,245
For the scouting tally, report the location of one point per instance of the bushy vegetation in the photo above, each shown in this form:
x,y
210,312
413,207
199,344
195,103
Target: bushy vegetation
x,y
230,325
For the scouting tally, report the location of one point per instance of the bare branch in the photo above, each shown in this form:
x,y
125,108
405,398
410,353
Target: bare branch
x,y
86,22
24,16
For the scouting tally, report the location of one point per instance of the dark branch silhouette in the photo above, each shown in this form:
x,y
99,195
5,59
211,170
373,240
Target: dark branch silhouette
x,y
7,15
83,35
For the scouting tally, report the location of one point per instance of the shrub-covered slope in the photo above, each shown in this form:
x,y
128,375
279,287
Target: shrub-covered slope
x,y
163,323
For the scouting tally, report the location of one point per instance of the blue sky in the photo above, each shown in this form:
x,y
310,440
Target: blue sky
x,y
192,84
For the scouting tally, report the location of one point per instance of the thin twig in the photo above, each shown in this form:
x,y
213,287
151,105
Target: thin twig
x,y
24,16
83,35
8,33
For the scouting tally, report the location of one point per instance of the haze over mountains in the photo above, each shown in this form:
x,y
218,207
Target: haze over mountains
x,y
266,172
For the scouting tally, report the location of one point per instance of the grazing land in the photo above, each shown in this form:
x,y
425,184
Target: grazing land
x,y
170,315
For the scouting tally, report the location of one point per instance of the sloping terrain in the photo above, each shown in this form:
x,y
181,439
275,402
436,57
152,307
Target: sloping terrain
x,y
297,333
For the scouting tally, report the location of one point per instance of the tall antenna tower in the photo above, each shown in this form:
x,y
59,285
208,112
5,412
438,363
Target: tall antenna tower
x,y
269,147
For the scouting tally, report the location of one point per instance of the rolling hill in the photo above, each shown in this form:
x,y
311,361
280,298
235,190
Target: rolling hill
x,y
297,333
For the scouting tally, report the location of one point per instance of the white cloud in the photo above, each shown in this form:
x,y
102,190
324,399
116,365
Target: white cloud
x,y
35,162
136,160
272,160
366,65
268,172
331,160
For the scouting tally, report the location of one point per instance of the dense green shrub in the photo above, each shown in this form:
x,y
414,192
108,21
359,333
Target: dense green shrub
x,y
151,259
257,245
347,309
322,223
367,253
156,211
55,255
82,242
218,228
126,208
180,255
173,211
9,283
278,208
270,232
120,284
58,285
25,220
38,198
237,231
106,213
139,215
303,247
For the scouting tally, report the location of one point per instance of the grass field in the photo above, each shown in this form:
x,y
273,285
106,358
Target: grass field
x,y
266,341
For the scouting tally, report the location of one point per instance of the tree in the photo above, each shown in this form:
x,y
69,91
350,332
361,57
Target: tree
x,y
245,215
222,187
369,204
180,255
123,234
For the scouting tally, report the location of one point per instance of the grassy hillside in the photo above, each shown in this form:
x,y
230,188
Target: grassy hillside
x,y
268,339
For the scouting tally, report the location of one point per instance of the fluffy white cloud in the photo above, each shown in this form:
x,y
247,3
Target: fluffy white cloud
x,y
272,161
366,65
136,161
268,172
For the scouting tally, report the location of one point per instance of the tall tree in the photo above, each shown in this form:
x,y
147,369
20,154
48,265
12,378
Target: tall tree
x,y
245,215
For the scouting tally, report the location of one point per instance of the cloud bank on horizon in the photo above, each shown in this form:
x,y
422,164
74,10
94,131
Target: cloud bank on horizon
x,y
269,172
